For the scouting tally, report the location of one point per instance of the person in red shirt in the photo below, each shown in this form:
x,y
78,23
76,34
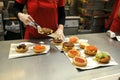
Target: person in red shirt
x,y
113,22
47,13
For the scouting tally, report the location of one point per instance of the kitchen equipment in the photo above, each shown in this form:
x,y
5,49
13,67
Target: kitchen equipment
x,y
34,24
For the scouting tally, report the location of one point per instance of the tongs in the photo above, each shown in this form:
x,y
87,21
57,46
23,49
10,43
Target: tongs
x,y
39,29
34,24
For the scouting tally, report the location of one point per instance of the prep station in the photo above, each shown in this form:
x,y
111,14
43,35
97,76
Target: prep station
x,y
54,65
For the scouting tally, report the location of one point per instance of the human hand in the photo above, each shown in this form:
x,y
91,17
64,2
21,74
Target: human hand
x,y
60,33
25,18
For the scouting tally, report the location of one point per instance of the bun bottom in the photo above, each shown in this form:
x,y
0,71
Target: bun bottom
x,y
39,48
39,51
103,60
21,50
90,53
72,55
81,62
83,45
67,49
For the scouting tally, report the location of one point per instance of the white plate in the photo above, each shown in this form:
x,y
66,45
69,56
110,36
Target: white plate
x,y
91,63
14,54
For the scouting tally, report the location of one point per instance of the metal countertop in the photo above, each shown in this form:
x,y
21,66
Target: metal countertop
x,y
54,65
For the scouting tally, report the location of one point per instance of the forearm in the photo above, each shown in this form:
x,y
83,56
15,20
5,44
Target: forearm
x,y
18,8
61,16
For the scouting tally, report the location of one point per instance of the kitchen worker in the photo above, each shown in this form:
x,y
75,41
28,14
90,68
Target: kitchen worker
x,y
113,22
47,13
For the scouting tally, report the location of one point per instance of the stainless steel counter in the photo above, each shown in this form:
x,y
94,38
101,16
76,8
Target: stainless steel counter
x,y
54,65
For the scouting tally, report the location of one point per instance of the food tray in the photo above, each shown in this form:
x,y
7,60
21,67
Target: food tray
x,y
91,62
14,54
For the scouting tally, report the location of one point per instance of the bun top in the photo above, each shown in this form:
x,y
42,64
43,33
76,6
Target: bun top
x,y
57,40
101,55
84,43
68,44
73,39
21,46
74,52
91,48
39,47
79,59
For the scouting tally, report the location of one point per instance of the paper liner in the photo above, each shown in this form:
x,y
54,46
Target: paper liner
x,y
14,54
91,62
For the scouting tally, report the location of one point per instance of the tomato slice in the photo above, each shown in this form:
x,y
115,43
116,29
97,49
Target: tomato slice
x,y
73,39
38,47
73,52
91,48
79,60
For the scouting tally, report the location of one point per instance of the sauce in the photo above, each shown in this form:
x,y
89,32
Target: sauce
x,y
79,60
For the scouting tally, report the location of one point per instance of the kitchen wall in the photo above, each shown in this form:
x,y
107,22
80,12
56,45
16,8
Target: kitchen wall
x,y
93,13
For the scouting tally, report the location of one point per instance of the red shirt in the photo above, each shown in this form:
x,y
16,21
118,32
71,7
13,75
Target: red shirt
x,y
44,12
113,19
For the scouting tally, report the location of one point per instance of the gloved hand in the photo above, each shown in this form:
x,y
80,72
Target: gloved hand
x,y
60,33
26,18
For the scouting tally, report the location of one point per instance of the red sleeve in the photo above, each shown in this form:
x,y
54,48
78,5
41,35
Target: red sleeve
x,y
21,1
61,3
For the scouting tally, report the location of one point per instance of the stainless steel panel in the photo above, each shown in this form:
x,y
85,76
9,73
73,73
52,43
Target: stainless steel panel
x,y
1,36
1,24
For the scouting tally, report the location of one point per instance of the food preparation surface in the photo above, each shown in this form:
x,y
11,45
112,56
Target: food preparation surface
x,y
55,65
109,77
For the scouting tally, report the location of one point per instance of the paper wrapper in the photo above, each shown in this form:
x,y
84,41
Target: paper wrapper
x,y
14,54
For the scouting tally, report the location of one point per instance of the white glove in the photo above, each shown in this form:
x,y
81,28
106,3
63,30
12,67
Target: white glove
x,y
25,18
60,33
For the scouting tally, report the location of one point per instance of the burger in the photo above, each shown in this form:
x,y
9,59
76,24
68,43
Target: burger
x,y
66,46
22,48
79,61
57,41
83,45
72,53
39,48
90,50
102,57
73,39
46,31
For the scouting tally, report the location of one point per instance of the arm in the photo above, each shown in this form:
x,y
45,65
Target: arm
x,y
61,17
61,22
25,18
18,8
